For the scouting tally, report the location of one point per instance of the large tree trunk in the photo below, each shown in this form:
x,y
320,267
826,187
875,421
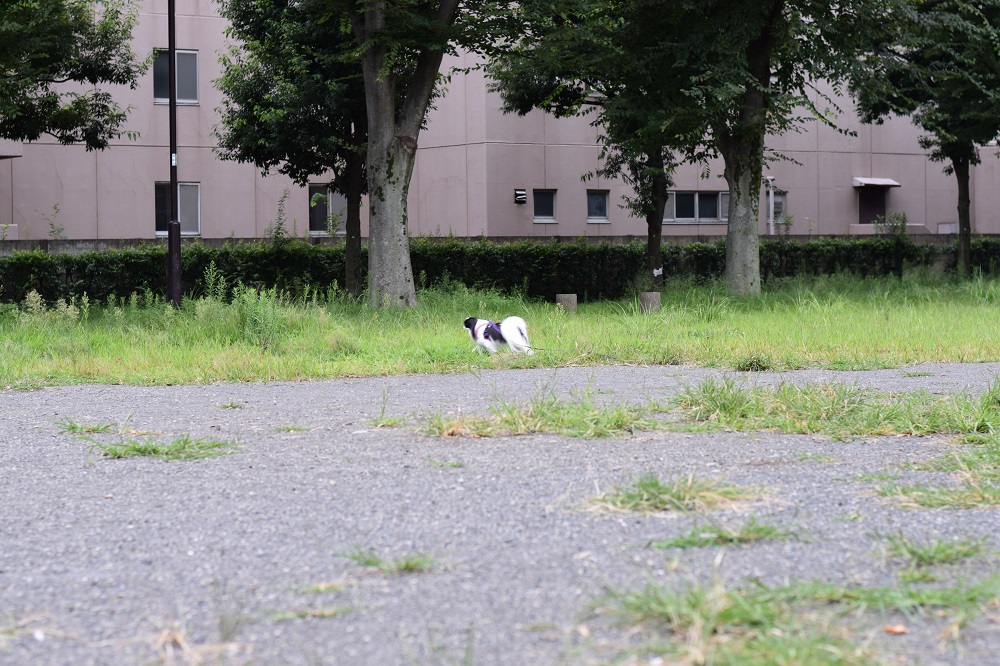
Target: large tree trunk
x,y
390,163
742,146
743,173
961,168
390,274
393,128
654,219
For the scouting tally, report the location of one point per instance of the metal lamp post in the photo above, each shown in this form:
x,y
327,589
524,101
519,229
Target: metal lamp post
x,y
174,225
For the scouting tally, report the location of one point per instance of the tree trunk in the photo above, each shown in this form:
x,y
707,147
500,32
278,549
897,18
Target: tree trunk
x,y
654,219
390,164
743,172
961,168
393,128
741,143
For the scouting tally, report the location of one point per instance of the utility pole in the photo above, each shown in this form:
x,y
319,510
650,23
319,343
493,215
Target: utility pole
x,y
174,225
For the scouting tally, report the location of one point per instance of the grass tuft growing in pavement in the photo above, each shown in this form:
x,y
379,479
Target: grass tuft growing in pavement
x,y
411,563
801,623
977,471
68,426
649,494
749,532
838,410
933,551
181,448
547,413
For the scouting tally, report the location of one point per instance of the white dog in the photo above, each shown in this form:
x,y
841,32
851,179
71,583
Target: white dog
x,y
511,332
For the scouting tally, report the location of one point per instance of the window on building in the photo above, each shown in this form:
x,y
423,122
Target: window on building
x,y
188,207
779,203
697,208
327,211
597,206
186,69
545,205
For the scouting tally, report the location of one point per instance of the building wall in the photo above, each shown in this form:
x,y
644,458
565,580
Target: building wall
x,y
110,193
471,160
816,171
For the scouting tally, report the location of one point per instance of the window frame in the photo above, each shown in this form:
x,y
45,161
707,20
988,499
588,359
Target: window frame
x,y
181,101
180,188
543,219
599,219
323,188
721,204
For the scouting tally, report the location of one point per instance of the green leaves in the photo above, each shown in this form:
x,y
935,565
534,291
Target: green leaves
x,y
82,41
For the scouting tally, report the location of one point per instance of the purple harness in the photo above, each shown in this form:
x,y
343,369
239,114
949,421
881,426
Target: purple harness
x,y
488,330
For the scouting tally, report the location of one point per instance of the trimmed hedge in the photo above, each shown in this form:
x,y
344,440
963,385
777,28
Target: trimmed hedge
x,y
536,268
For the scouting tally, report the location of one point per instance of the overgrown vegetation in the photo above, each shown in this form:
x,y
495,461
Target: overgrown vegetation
x,y
233,332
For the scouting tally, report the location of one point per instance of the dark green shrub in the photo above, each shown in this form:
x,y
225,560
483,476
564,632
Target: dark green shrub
x,y
539,269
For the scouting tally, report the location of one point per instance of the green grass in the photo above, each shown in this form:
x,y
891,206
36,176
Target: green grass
x,y
181,448
972,494
749,532
839,410
981,461
650,494
290,428
802,623
933,551
977,471
579,417
836,322
410,563
68,426
712,625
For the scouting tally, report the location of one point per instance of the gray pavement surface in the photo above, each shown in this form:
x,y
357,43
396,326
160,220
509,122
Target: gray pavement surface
x,y
141,561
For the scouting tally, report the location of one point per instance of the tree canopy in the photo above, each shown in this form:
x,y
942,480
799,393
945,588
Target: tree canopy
x,y
47,43
580,58
294,101
942,68
721,76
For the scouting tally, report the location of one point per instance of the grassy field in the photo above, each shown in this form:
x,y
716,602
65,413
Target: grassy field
x,y
838,322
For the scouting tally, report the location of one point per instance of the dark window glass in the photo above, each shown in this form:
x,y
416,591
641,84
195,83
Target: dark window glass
x,y
597,204
161,75
708,205
319,205
187,76
188,209
545,203
684,205
162,207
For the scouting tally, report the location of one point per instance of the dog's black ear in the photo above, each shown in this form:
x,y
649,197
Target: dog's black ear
x,y
470,323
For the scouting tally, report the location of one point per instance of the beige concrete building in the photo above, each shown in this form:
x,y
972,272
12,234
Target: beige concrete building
x,y
478,172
